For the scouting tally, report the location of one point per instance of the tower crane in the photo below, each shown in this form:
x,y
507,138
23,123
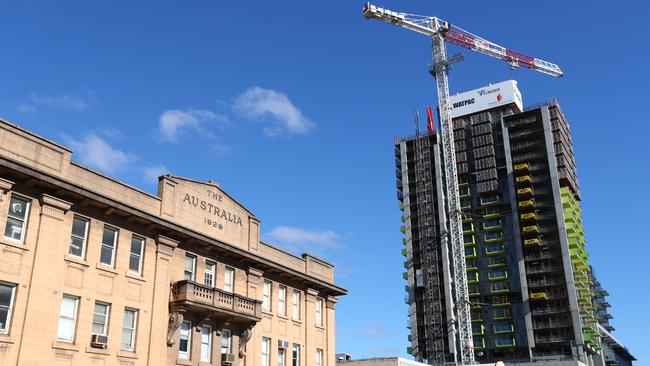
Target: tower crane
x,y
440,31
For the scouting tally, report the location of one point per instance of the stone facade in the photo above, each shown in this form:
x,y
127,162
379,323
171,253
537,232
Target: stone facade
x,y
164,279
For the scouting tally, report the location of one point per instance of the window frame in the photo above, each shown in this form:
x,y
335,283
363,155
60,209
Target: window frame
x,y
208,344
9,307
295,305
113,248
295,354
106,317
140,255
319,312
282,357
74,318
28,206
229,338
193,272
84,243
267,289
266,351
229,270
213,269
185,355
133,329
319,357
282,300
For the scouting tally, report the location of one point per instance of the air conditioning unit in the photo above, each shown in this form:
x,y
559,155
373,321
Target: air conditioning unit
x,y
283,344
228,358
98,341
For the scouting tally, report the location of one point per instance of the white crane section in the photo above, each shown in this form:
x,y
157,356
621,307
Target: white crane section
x,y
441,31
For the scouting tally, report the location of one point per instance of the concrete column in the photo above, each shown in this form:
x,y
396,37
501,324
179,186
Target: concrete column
x,y
329,321
254,290
160,317
46,285
309,322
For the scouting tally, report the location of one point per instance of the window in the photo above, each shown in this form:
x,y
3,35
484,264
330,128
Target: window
x,y
504,340
78,237
100,318
190,266
129,329
266,296
503,327
226,341
67,318
319,312
135,260
266,348
229,279
109,242
295,308
499,286
295,355
494,248
185,343
282,301
17,219
468,239
498,274
281,357
501,313
208,277
492,223
7,293
493,235
472,276
206,343
319,357
494,261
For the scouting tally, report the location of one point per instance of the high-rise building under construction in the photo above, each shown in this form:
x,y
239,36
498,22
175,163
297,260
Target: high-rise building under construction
x,y
532,291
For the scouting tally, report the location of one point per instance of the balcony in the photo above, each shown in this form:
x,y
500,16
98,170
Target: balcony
x,y
530,230
531,216
525,192
523,167
531,242
539,296
189,296
523,180
526,204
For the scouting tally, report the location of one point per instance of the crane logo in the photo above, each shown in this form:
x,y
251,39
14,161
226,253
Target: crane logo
x,y
499,97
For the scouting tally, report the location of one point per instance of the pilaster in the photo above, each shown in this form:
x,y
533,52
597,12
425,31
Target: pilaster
x,y
330,356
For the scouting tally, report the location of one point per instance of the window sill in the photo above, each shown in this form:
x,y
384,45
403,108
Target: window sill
x,y
283,317
321,327
5,338
97,351
65,346
14,244
267,312
75,260
135,276
183,361
297,321
127,354
106,268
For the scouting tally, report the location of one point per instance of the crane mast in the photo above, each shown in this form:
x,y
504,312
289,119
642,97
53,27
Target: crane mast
x,y
440,31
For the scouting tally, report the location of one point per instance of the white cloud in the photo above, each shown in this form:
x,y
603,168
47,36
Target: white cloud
x,y
385,351
97,153
374,330
151,173
67,101
175,123
305,240
287,119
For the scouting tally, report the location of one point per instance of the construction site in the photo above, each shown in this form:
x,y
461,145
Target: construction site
x,y
495,257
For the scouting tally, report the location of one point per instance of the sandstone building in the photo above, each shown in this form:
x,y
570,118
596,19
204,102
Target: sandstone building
x,y
96,272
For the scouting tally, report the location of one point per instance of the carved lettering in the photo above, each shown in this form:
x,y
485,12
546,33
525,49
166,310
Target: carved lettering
x,y
214,210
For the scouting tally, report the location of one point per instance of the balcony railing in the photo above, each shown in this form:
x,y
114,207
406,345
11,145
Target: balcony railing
x,y
204,299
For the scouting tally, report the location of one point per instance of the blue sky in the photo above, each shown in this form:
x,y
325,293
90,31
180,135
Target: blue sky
x,y
293,108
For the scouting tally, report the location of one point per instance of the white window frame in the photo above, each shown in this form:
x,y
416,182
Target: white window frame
x,y
193,272
226,334
106,317
24,221
207,347
9,307
282,301
210,269
63,337
295,354
266,295
185,355
133,328
319,357
229,279
84,242
282,357
137,255
113,249
319,312
295,305
266,351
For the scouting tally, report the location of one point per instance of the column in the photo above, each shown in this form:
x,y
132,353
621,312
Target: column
x,y
161,333
330,353
252,345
